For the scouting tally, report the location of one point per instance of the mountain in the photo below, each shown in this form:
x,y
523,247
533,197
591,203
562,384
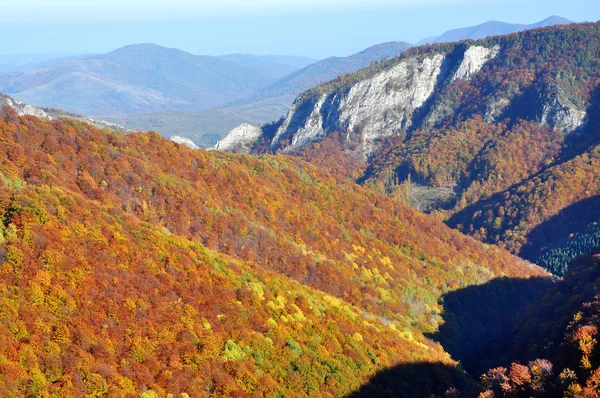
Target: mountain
x,y
494,28
499,134
24,62
274,66
131,265
135,79
427,40
329,69
206,127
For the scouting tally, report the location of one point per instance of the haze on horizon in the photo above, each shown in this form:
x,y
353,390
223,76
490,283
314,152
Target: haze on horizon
x,y
310,28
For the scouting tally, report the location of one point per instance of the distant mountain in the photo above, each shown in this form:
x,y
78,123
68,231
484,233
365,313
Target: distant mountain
x,y
493,28
427,40
134,79
274,66
206,127
329,69
23,62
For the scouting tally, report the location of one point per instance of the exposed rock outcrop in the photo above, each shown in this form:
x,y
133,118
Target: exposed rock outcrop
x,y
184,141
561,113
240,139
425,89
23,109
375,107
473,60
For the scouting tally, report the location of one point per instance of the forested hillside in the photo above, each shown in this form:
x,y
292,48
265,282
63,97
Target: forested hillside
x,y
130,263
554,348
501,134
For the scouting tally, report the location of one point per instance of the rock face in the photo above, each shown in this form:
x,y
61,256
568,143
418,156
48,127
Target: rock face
x,y
427,88
473,60
184,141
561,113
376,107
240,139
23,109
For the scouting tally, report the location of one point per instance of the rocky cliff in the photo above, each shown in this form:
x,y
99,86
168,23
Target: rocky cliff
x,y
24,109
456,126
240,139
419,90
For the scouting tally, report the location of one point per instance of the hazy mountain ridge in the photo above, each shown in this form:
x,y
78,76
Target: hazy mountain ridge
x,y
330,68
492,28
23,62
135,79
275,66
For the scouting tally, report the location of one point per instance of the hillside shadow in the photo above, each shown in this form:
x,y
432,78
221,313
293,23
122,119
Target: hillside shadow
x,y
527,105
416,380
480,322
557,229
588,134
502,321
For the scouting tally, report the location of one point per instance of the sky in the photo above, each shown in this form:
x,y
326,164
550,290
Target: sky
x,y
313,28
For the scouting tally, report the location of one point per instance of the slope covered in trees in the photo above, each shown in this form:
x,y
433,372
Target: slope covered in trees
x,y
131,263
524,337
500,133
555,344
513,175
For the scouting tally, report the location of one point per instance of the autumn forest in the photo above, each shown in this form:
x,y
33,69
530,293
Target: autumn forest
x,y
134,266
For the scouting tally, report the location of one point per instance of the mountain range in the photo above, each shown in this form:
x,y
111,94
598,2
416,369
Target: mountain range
x,y
151,87
148,78
499,135
134,79
492,28
308,265
329,69
206,127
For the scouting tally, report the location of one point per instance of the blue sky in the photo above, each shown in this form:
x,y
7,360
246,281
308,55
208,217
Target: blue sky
x,y
316,28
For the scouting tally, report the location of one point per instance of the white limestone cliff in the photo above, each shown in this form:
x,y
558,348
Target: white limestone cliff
x,y
23,109
376,107
391,101
184,141
240,139
562,114
473,60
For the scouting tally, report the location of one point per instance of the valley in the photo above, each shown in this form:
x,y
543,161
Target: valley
x,y
407,221
518,145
